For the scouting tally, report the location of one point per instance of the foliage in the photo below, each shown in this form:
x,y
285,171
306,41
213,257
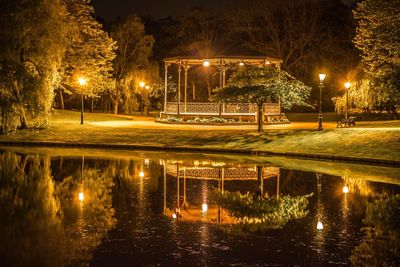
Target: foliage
x,y
90,53
172,119
377,37
253,214
33,39
132,63
211,120
381,243
264,85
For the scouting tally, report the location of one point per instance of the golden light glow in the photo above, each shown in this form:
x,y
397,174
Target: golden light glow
x,y
142,84
204,207
241,64
320,226
81,196
345,189
147,87
141,174
267,62
206,63
322,77
174,215
347,85
82,81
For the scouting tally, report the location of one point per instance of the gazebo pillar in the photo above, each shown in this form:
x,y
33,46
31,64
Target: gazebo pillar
x,y
186,68
165,86
179,85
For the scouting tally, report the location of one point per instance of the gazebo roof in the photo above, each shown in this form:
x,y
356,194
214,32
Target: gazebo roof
x,y
223,60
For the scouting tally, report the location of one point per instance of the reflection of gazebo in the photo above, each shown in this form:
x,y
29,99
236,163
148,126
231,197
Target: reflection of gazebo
x,y
211,171
189,109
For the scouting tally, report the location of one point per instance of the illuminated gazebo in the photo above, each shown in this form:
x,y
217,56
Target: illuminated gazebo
x,y
185,108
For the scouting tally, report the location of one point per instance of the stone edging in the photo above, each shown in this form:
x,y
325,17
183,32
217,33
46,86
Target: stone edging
x,y
395,163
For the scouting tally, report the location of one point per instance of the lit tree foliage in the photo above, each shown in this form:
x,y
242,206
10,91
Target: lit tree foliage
x,y
132,63
33,39
90,54
264,85
378,39
254,214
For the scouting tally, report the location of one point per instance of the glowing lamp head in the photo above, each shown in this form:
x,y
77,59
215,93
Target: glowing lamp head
x,y
267,62
82,81
204,207
141,174
322,77
81,196
147,87
206,63
142,84
320,226
347,85
174,215
345,189
241,64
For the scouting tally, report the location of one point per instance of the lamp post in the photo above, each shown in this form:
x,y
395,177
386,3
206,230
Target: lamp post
x,y
347,86
82,82
321,85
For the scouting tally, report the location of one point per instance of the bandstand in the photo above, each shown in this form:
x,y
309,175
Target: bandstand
x,y
186,108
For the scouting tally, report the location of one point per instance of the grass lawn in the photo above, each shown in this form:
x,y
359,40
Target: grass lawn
x,y
378,139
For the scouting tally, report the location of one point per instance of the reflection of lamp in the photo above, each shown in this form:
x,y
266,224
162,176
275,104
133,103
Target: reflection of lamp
x,y
345,189
81,196
320,226
204,207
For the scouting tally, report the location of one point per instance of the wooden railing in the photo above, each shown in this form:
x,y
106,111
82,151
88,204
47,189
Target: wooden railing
x,y
206,108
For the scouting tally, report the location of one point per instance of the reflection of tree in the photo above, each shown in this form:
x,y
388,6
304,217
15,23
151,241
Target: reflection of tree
x,y
42,223
87,222
254,214
381,243
30,226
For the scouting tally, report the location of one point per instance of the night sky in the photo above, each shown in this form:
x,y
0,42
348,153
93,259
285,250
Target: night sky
x,y
108,9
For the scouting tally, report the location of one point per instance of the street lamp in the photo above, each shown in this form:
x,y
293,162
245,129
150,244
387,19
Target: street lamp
x,y
347,86
82,82
142,84
321,85
206,63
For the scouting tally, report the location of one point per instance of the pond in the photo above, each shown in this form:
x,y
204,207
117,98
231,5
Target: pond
x,y
70,207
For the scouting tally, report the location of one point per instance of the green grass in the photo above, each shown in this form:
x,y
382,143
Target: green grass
x,y
379,140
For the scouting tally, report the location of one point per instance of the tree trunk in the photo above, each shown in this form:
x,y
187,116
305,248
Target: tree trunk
x,y
259,118
24,121
115,107
61,99
396,117
91,104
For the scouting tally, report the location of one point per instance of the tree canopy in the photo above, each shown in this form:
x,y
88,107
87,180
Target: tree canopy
x,y
263,85
378,39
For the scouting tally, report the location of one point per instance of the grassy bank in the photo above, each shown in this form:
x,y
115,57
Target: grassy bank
x,y
378,140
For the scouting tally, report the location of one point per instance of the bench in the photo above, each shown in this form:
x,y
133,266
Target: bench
x,y
351,121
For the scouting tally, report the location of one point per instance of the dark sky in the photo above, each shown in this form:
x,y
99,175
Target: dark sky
x,y
109,9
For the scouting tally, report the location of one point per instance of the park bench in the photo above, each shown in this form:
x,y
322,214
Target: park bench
x,y
351,121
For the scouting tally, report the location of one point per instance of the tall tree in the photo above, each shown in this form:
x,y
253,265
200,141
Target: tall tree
x,y
33,40
90,55
264,85
132,64
378,39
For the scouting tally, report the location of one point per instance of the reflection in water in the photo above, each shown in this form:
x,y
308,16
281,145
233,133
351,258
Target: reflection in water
x,y
45,223
381,242
140,210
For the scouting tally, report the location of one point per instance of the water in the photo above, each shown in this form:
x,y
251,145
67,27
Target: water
x,y
120,208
